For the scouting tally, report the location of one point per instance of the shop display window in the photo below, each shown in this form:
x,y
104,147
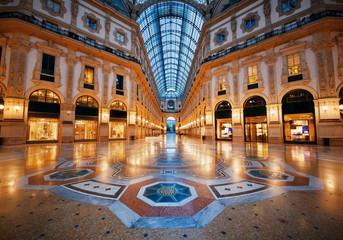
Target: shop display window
x,y
117,130
224,130
86,129
43,129
299,127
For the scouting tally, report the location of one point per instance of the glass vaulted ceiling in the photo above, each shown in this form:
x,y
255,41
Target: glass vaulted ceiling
x,y
170,30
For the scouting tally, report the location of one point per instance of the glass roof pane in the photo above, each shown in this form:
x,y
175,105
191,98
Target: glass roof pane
x,y
170,30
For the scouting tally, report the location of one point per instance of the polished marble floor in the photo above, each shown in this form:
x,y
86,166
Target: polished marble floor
x,y
171,187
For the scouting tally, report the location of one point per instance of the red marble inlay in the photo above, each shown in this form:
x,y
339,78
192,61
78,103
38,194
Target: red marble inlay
x,y
129,198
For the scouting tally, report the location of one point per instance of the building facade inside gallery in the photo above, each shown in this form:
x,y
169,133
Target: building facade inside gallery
x,y
240,70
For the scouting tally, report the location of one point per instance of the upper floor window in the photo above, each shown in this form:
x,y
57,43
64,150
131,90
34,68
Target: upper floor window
x,y
89,78
120,37
54,6
250,22
252,74
91,23
221,86
286,7
48,68
120,84
293,62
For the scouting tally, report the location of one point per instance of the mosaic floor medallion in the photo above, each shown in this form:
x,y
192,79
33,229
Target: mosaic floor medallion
x,y
167,194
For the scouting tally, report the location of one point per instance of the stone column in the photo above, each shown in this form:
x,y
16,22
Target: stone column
x,y
274,110
237,112
13,128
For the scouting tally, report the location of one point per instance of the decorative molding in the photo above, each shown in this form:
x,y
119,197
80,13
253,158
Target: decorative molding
x,y
248,17
279,7
93,17
219,32
63,9
122,32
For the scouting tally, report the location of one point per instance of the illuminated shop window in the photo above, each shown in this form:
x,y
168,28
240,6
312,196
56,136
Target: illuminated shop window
x,y
86,129
42,129
117,130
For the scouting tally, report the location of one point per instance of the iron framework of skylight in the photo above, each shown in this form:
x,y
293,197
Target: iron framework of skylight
x,y
170,30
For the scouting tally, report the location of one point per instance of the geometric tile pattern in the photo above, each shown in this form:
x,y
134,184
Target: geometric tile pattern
x,y
167,194
168,184
65,175
237,188
96,188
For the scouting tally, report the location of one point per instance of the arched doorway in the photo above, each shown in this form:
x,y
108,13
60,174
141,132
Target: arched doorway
x,y
118,120
86,119
223,116
43,116
255,120
171,123
298,117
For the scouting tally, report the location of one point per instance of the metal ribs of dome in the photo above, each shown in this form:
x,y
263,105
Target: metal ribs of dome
x,y
170,30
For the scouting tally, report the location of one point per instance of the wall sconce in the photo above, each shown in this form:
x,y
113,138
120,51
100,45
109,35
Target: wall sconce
x,y
68,113
325,108
341,107
16,108
2,106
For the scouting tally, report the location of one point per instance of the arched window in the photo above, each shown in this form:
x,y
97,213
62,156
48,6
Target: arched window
x,y
118,105
44,95
254,102
87,101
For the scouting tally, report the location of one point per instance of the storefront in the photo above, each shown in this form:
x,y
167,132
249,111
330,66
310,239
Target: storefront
x,y
255,120
118,120
43,117
298,117
86,119
223,117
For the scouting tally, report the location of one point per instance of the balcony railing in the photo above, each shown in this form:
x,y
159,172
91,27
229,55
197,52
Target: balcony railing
x,y
63,32
276,32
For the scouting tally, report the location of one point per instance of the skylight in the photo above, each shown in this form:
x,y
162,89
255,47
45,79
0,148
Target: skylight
x,y
170,30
